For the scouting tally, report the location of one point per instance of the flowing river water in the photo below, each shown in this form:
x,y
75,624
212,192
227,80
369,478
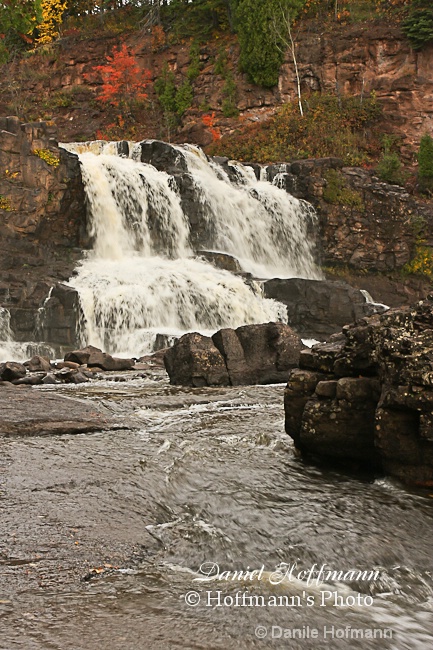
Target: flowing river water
x,y
106,537
104,534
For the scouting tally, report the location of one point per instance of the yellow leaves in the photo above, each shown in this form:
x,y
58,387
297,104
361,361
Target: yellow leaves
x,y
5,204
52,12
421,263
46,155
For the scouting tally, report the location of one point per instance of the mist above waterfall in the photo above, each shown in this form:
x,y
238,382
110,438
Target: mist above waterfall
x,y
142,276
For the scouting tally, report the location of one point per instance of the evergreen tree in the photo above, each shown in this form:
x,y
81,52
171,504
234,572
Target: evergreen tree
x,y
262,49
418,26
425,164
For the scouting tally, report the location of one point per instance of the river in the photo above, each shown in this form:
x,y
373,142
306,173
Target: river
x,y
105,536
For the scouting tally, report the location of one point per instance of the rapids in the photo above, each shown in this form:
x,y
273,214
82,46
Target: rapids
x,y
102,544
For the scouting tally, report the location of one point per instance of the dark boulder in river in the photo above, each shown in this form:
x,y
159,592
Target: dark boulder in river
x,y
251,354
368,396
95,358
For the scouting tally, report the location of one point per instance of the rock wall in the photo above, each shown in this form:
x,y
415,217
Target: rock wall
x,y
366,58
42,219
367,395
364,223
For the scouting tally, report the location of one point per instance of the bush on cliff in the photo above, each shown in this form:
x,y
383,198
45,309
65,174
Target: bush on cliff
x,y
330,126
389,167
425,164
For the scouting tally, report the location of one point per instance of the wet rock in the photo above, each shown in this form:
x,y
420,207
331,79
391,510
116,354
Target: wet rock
x,y
271,350
28,412
299,389
163,156
163,341
321,356
37,364
221,260
71,376
318,308
11,370
61,314
50,378
338,429
230,347
375,403
252,354
66,364
34,379
195,361
94,357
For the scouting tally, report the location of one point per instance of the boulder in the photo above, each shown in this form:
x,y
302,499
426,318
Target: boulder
x,y
251,354
10,370
94,357
38,364
271,350
195,361
221,260
163,156
369,397
318,308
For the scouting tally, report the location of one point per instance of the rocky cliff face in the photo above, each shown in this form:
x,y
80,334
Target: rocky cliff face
x,y
42,218
351,59
367,58
365,224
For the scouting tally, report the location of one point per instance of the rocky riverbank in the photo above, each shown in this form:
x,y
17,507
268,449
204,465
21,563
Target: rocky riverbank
x,y
366,396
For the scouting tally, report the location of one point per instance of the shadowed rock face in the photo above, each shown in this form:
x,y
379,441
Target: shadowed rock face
x,y
318,308
42,220
367,396
252,354
375,229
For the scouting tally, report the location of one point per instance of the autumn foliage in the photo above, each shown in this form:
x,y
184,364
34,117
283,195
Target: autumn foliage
x,y
124,82
209,122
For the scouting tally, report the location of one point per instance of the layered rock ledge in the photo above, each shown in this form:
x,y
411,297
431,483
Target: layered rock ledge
x,y
27,412
366,396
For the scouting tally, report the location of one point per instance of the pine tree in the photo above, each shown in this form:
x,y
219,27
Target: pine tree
x,y
418,26
262,51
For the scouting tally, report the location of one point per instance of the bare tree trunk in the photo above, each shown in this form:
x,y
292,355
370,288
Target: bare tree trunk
x,y
282,31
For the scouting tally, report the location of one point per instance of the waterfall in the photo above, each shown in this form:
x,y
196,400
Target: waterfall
x,y
142,278
18,351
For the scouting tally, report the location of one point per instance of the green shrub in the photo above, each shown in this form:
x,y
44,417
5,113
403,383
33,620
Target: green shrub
x,y
336,191
389,169
229,107
331,126
183,98
194,64
425,164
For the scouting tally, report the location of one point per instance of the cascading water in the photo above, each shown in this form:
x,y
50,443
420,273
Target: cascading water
x,y
141,278
19,351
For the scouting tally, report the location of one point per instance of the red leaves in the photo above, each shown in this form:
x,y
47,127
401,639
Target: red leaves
x,y
123,80
209,121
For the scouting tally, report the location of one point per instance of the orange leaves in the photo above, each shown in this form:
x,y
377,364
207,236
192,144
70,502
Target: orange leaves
x,y
209,122
123,80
